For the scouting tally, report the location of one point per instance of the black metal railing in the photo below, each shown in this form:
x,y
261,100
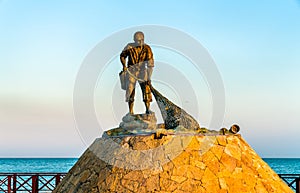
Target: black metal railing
x,y
46,182
29,182
292,180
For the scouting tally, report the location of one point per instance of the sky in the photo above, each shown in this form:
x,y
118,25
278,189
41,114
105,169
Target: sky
x,y
255,45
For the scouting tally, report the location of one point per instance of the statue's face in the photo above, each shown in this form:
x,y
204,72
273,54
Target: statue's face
x,y
139,39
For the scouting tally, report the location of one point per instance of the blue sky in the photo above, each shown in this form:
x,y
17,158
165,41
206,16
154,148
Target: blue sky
x,y
255,45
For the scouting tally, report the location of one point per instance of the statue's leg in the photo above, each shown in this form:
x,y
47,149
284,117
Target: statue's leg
x,y
130,93
130,105
147,105
147,97
131,101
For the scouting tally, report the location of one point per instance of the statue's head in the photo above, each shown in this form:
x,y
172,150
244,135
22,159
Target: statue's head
x,y
138,38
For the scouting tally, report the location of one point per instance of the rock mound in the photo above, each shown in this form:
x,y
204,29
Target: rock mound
x,y
173,163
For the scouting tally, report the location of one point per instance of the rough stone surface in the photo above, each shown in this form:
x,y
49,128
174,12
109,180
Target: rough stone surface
x,y
137,122
173,163
173,115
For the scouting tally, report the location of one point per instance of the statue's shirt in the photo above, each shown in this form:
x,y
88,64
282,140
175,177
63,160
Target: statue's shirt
x,y
138,54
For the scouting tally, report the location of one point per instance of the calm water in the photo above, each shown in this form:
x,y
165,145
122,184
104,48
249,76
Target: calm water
x,y
284,165
33,165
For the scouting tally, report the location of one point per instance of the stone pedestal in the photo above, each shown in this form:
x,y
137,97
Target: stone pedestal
x,y
138,122
172,163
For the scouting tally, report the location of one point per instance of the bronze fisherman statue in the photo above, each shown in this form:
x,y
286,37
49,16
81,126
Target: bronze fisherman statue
x,y
139,68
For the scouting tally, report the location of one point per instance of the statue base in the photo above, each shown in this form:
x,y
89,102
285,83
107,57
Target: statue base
x,y
134,123
173,163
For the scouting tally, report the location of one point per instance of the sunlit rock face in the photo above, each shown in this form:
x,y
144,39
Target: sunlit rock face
x,y
178,163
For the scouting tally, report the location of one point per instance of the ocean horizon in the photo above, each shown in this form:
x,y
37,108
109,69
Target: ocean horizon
x,y
63,165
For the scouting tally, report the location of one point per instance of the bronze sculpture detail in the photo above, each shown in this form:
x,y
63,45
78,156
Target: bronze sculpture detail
x,y
138,63
173,115
139,68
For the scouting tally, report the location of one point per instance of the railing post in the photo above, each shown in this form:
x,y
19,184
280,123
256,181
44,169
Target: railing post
x,y
14,190
9,184
298,185
57,179
35,184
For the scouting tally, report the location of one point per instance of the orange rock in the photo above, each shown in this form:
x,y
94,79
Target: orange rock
x,y
195,158
167,185
152,183
233,151
221,139
260,188
217,150
189,185
133,175
178,179
208,176
182,159
223,184
186,164
212,162
192,144
238,173
229,162
130,185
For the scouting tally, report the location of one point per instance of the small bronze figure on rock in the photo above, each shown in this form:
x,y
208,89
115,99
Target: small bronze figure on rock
x,y
139,68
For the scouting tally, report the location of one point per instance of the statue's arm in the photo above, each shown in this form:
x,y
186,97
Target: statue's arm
x,y
123,57
123,61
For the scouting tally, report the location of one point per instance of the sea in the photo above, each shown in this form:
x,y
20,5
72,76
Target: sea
x,y
36,165
63,165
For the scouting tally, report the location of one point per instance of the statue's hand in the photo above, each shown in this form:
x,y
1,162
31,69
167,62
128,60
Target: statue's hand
x,y
124,68
148,82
